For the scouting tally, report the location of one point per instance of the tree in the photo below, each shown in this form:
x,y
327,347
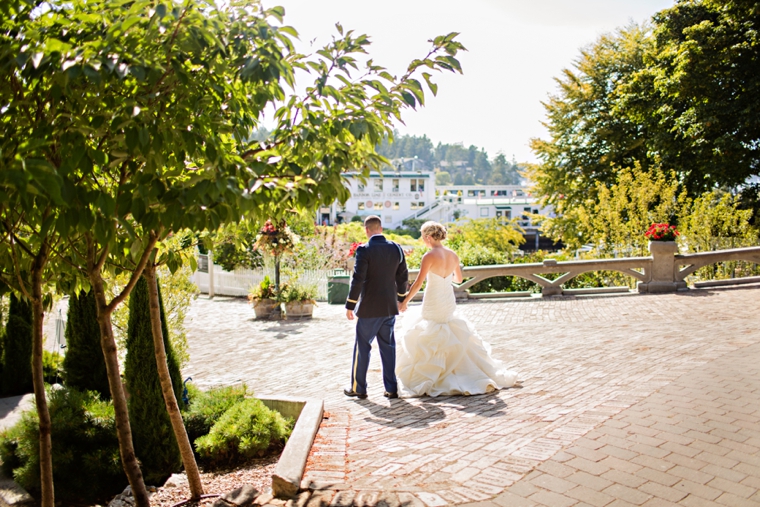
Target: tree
x,y
590,136
703,74
442,178
142,117
497,234
155,444
83,363
677,95
17,348
504,172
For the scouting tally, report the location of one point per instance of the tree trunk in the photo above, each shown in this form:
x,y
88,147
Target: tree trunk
x,y
46,457
277,273
185,449
123,429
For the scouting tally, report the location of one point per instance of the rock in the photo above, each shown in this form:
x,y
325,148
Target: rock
x,y
264,499
127,491
121,501
241,497
175,481
221,503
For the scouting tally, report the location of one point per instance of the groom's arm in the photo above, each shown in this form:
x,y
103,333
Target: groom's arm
x,y
357,280
402,278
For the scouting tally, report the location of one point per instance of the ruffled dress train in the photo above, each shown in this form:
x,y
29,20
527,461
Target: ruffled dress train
x,y
439,353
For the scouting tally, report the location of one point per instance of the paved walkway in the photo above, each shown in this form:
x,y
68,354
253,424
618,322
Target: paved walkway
x,y
649,400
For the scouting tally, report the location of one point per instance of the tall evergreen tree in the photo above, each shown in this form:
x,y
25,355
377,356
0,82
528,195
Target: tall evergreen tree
x,y
17,348
154,441
84,366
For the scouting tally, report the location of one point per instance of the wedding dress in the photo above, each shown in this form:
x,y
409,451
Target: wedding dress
x,y
439,353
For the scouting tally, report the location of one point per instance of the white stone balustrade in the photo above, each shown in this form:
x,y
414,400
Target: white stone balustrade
x,y
660,272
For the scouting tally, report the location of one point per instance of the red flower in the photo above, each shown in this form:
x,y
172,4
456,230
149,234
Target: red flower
x,y
662,232
352,249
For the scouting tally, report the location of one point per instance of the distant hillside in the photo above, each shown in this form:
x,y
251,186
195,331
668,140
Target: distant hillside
x,y
458,165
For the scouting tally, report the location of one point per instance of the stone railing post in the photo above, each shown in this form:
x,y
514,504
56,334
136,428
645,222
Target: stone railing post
x,y
663,275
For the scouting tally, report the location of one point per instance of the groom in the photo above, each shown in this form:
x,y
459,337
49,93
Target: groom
x,y
379,283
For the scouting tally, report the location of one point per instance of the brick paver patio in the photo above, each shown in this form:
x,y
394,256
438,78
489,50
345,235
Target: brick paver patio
x,y
630,400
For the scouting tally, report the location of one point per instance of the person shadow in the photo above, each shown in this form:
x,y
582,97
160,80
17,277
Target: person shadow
x,y
402,414
429,411
484,405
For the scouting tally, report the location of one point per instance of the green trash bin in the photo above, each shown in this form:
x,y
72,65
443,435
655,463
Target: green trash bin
x,y
337,287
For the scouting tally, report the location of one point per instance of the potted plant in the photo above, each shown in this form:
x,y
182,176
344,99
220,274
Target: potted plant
x,y
264,299
276,239
662,239
298,300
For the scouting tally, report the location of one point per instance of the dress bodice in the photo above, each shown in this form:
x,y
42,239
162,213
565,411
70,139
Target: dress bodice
x,y
438,302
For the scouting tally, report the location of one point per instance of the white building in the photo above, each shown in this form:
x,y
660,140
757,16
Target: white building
x,y
399,195
492,201
393,196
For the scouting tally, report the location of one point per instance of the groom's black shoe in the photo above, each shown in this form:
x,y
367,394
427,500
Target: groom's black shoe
x,y
392,396
354,394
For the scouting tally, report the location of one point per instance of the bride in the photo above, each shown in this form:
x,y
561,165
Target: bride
x,y
438,352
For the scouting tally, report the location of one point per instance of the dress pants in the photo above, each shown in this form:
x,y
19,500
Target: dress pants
x,y
366,331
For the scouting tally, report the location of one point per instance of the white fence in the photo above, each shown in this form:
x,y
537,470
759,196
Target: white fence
x,y
240,281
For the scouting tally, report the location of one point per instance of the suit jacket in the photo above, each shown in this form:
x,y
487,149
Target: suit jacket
x,y
380,279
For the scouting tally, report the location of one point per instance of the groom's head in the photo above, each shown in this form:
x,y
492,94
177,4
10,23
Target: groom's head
x,y
373,225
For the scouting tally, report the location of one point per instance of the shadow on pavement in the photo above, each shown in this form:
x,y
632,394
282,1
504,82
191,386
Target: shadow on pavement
x,y
402,414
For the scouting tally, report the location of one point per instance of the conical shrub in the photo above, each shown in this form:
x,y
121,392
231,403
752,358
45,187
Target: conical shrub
x,y
17,349
84,366
152,434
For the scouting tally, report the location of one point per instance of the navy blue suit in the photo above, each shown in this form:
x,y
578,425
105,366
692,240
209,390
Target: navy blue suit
x,y
378,284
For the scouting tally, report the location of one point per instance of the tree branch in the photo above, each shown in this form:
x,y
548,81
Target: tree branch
x,y
136,274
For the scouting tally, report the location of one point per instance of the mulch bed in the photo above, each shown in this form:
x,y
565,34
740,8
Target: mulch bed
x,y
257,473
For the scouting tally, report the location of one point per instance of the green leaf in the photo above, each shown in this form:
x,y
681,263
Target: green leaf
x,y
129,23
409,99
211,153
433,87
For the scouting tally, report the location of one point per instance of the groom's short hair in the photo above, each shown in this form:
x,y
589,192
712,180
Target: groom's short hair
x,y
373,222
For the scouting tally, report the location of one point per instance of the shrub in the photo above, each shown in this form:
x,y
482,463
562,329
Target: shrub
x,y
297,292
264,290
17,348
52,367
86,462
84,366
247,430
177,292
206,407
152,432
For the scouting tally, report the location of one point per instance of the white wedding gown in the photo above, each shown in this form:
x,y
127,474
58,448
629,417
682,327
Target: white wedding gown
x,y
439,353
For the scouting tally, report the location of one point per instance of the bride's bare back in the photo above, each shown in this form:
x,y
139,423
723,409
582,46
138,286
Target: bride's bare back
x,y
442,261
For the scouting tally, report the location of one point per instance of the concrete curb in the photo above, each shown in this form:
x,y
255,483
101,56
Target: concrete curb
x,y
13,495
307,412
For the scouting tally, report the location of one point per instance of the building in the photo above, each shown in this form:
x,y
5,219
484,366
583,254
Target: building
x,y
395,196
491,201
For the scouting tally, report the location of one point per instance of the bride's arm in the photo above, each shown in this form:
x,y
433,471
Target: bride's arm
x,y
458,276
424,268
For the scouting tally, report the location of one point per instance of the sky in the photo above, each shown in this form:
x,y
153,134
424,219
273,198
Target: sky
x,y
516,48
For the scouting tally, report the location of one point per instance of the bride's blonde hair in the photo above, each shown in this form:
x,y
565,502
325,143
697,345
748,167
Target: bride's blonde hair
x,y
434,230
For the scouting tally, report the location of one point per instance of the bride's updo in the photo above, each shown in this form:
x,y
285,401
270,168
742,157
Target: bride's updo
x,y
433,230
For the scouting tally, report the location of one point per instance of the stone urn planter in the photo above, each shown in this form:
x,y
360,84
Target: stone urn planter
x,y
299,309
350,264
264,308
663,271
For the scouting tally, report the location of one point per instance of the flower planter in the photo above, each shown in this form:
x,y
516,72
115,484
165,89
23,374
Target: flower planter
x,y
264,308
663,270
299,309
350,264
